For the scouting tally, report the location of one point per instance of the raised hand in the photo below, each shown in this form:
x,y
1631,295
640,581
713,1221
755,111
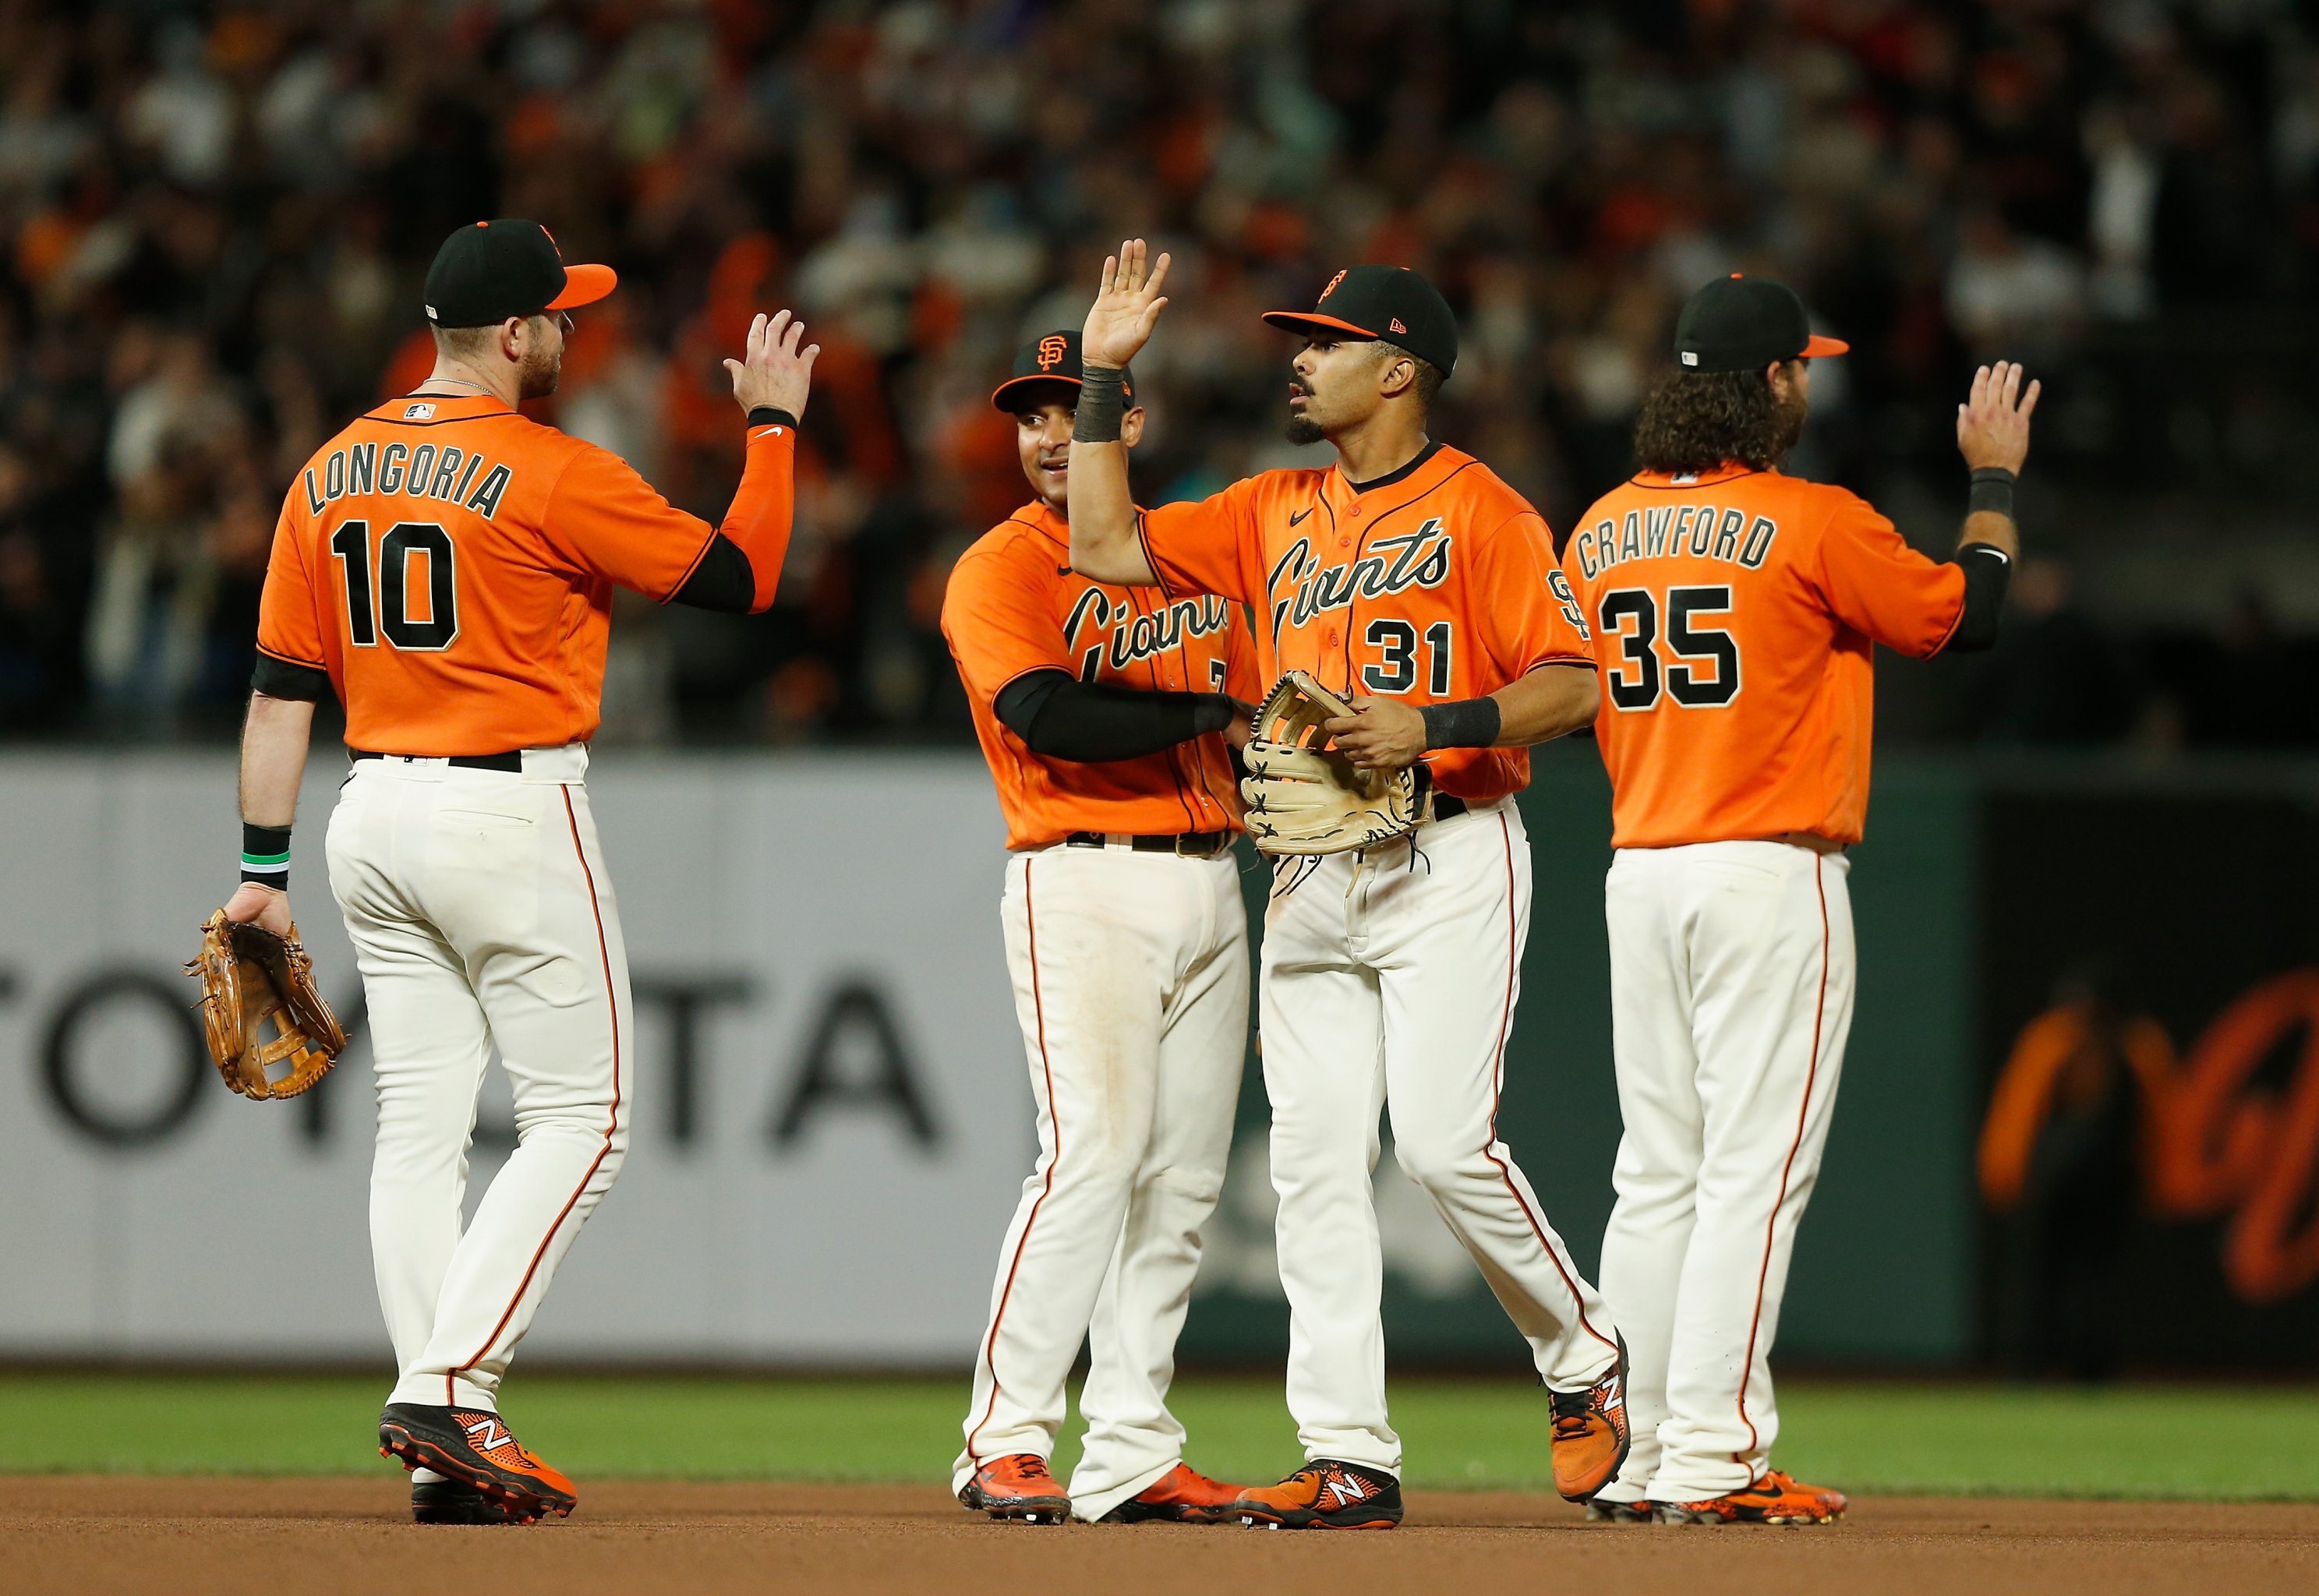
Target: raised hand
x,y
1993,424
774,371
1127,304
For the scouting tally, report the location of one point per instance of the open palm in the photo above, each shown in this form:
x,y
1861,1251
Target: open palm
x,y
1127,304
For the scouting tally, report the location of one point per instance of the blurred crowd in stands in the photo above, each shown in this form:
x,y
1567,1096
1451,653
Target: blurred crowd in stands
x,y
214,219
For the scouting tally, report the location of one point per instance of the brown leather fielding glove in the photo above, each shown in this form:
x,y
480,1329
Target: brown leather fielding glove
x,y
247,973
1303,796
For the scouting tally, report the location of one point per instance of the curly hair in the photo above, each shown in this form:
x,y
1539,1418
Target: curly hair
x,y
1699,420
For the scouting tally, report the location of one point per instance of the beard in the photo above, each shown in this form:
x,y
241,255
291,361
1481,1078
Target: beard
x,y
1304,430
540,373
1788,424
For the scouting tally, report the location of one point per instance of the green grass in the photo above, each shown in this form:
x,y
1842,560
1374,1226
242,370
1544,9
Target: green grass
x,y
2137,1441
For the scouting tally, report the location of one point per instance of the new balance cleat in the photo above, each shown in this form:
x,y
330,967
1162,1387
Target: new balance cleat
x,y
471,1445
1775,1499
1017,1487
1590,1432
454,1501
1324,1494
1180,1496
1600,1512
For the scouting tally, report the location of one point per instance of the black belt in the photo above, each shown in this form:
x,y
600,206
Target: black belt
x,y
511,763
1193,845
1445,807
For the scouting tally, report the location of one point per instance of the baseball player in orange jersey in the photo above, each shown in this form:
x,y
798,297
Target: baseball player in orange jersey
x,y
1413,577
1105,712
1734,612
446,567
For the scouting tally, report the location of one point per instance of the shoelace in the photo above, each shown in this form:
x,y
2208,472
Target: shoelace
x,y
1573,1412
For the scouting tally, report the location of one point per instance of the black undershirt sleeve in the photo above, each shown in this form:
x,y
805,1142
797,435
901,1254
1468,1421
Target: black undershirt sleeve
x,y
724,581
286,679
1987,573
1061,717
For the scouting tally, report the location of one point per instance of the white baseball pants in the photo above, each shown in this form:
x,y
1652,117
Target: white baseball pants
x,y
482,916
1390,978
1131,981
1731,982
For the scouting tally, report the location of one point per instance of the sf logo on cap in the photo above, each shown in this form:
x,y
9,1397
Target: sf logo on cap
x,y
1331,288
1052,350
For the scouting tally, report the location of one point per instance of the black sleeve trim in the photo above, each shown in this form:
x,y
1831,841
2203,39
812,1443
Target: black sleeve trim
x,y
1059,717
724,581
766,415
278,678
1987,573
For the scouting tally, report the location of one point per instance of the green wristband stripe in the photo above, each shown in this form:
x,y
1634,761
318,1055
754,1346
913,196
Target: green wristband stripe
x,y
265,862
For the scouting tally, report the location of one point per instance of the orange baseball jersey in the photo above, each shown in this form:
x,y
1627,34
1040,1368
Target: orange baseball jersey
x,y
450,564
1014,605
1435,584
1733,615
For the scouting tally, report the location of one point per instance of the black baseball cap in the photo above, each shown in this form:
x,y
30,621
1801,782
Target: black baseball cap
x,y
1053,359
1741,323
506,267
1390,303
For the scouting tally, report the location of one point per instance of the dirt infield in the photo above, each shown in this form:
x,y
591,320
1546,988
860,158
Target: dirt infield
x,y
353,1537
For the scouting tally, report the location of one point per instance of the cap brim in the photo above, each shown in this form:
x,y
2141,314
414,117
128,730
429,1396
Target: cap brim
x,y
1310,324
1816,348
584,286
1009,396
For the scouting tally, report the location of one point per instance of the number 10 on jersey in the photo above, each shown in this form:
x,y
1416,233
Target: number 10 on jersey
x,y
1702,671
389,611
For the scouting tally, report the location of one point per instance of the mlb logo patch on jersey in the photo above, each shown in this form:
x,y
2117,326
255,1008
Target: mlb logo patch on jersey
x,y
418,412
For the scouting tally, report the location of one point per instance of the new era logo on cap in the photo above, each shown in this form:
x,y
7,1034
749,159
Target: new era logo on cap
x,y
1396,325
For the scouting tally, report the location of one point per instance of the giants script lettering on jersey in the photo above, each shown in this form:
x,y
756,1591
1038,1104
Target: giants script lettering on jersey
x,y
449,474
1144,636
1419,559
1663,531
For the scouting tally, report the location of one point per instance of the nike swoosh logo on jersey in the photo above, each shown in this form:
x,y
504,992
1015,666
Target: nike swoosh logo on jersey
x,y
1300,515
1062,571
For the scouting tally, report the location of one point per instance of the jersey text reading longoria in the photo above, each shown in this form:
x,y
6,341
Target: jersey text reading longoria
x,y
421,473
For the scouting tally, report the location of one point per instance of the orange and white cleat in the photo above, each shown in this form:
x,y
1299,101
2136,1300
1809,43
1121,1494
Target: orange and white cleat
x,y
1589,1433
1183,1495
1018,1488
1775,1499
471,1445
1324,1494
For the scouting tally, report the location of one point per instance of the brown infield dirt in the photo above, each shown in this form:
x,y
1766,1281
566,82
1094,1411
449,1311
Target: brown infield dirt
x,y
354,1537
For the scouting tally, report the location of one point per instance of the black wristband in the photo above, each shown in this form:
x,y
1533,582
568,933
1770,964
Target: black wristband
x,y
1103,401
767,415
1992,491
1469,723
265,855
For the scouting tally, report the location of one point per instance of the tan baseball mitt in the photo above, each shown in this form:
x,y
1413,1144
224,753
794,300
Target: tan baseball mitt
x,y
247,973
1303,796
